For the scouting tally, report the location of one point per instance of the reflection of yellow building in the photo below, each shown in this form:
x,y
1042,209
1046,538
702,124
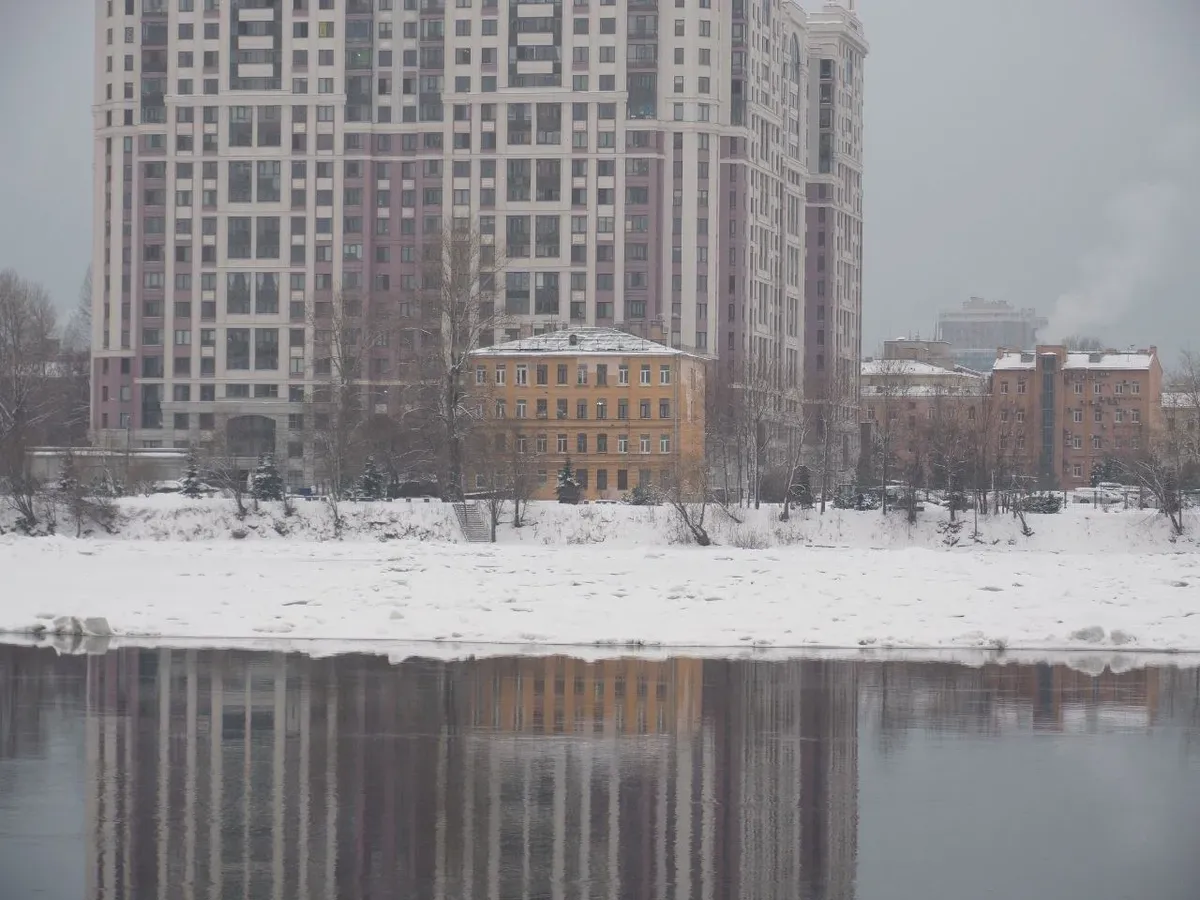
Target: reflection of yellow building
x,y
626,411
559,695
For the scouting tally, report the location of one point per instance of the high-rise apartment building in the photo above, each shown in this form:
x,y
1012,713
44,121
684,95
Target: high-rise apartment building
x,y
650,167
833,271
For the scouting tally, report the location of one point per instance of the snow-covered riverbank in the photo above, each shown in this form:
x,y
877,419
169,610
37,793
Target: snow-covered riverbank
x,y
605,595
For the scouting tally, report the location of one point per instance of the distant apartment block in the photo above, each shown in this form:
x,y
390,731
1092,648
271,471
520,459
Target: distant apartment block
x,y
1063,413
626,412
1054,415
692,169
981,327
914,387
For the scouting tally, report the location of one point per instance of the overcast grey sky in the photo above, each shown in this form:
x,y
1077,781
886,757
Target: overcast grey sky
x,y
1026,150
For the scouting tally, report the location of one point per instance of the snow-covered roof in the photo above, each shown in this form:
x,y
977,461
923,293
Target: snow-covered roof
x,y
587,340
913,368
963,389
1129,360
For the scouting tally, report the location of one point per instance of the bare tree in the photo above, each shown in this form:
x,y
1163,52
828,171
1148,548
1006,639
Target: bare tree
x,y
78,333
399,443
885,398
339,405
1181,404
221,469
1169,464
459,314
759,403
521,475
1160,470
80,501
794,466
948,435
831,404
982,444
722,435
689,495
27,401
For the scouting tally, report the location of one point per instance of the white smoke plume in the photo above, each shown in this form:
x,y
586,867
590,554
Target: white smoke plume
x,y
1140,240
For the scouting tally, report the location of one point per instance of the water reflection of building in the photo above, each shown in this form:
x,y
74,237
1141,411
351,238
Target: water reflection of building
x,y
578,773
33,683
224,774
206,778
1000,698
786,735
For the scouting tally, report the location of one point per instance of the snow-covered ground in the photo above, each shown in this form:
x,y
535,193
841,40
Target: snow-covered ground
x,y
1077,529
610,577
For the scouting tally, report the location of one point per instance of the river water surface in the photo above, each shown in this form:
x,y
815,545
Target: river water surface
x,y
190,774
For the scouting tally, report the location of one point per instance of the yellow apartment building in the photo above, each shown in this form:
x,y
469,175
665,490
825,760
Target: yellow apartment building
x,y
557,694
624,410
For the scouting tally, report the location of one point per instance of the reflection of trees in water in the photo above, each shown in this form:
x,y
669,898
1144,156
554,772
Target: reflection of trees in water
x,y
996,699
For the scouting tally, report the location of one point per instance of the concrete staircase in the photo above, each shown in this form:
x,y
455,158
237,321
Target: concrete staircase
x,y
473,521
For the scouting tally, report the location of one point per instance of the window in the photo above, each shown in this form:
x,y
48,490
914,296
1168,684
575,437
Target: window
x,y
562,443
1097,388
645,379
623,373
664,374
1077,415
664,409
1078,387
581,374
664,443
644,443
522,375
500,374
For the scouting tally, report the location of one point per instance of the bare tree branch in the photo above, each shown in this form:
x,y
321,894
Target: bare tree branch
x,y
459,314
27,368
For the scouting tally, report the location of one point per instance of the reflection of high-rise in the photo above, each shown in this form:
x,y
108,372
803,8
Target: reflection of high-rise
x,y
30,684
581,774
205,780
224,774
786,735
